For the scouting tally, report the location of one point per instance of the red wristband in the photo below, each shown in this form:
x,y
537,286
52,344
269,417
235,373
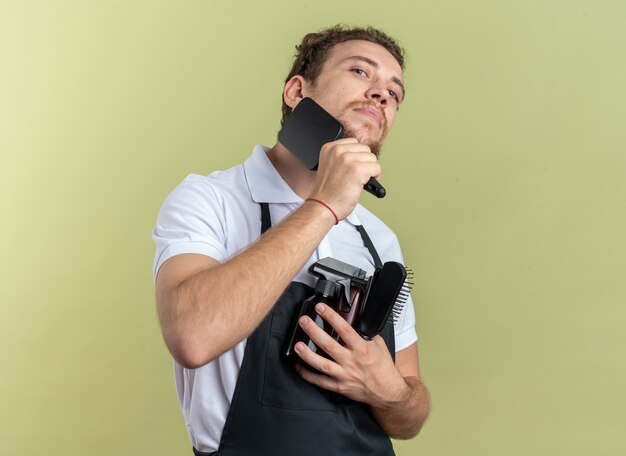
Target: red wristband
x,y
326,206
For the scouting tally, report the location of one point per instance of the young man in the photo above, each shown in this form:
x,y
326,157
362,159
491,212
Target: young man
x,y
226,294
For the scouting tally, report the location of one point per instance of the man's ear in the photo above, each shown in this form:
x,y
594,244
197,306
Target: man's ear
x,y
295,90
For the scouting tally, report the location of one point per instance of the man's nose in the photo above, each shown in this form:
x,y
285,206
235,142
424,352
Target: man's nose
x,y
378,95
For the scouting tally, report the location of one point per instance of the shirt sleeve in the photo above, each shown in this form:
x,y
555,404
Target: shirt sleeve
x,y
191,220
405,327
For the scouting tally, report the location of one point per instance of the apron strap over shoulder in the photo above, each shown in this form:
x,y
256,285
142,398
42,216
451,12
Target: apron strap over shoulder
x,y
266,219
370,246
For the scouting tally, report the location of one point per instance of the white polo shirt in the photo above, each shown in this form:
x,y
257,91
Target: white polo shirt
x,y
219,216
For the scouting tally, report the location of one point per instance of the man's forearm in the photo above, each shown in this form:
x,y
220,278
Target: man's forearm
x,y
213,310
405,417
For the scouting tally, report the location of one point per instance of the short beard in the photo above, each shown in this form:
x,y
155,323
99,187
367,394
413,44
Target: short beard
x,y
349,132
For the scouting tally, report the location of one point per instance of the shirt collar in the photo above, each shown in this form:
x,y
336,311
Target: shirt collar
x,y
264,182
267,186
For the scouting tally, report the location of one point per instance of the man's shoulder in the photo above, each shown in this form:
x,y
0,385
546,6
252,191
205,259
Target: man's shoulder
x,y
219,178
372,222
383,236
215,184
201,197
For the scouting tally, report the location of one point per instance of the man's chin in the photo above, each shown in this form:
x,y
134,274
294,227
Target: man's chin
x,y
365,138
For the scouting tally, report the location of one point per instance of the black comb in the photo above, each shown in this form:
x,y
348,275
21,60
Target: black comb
x,y
388,293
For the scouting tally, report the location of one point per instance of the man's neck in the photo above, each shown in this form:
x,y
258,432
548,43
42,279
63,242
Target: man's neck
x,y
294,173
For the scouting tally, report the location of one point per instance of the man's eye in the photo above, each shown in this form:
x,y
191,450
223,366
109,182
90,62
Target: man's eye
x,y
359,71
394,94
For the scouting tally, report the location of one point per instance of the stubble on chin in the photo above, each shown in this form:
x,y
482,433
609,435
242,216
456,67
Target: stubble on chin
x,y
375,145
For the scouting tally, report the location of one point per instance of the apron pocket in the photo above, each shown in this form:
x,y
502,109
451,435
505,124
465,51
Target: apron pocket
x,y
282,386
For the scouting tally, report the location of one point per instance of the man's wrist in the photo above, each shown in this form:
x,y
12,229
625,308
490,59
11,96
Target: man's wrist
x,y
319,201
399,396
321,211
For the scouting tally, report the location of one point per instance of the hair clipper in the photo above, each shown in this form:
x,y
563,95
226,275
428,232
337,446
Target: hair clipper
x,y
366,303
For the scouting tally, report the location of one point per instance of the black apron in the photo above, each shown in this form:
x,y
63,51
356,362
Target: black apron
x,y
275,412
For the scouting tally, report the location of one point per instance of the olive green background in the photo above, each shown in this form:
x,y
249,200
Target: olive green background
x,y
505,177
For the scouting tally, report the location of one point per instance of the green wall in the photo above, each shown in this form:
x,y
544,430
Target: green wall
x,y
505,174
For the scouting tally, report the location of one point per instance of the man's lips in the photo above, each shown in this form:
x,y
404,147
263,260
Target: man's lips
x,y
372,113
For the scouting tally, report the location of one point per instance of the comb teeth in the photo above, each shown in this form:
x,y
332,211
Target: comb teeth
x,y
402,298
